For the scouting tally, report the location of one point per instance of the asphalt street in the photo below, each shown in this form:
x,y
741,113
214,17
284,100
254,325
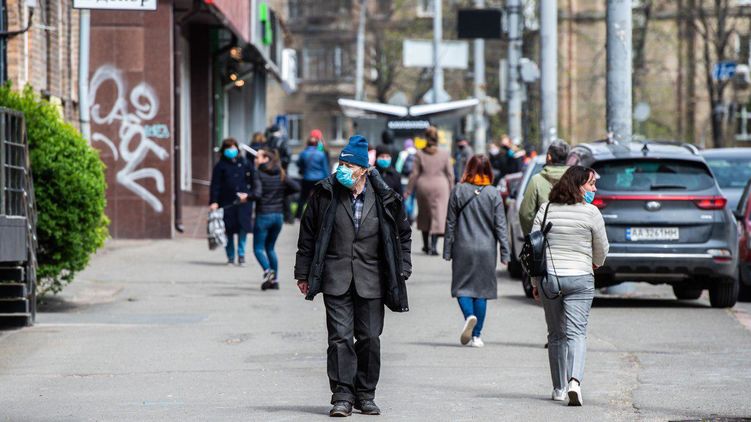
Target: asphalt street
x,y
164,330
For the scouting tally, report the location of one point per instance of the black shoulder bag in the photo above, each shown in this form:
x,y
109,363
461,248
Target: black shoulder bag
x,y
533,257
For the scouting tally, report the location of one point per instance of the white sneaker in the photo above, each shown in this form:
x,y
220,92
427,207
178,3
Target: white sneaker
x,y
477,342
559,395
469,325
574,393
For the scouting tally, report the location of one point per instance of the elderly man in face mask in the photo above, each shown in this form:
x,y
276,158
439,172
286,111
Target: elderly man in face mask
x,y
354,247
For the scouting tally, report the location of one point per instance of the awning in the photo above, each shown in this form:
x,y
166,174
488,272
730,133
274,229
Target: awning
x,y
354,108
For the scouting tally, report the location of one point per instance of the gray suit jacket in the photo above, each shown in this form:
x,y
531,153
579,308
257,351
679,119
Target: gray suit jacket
x,y
353,256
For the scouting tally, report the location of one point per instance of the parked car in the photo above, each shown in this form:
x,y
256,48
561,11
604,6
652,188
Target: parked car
x,y
732,169
516,235
508,185
666,219
743,214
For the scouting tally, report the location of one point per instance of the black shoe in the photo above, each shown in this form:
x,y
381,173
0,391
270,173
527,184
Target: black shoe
x,y
433,253
367,407
426,250
268,280
341,409
271,286
241,261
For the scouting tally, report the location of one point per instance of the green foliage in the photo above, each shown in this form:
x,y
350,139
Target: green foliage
x,y
69,187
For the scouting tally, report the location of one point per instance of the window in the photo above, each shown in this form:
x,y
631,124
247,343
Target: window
x,y
296,9
327,63
425,8
337,129
653,176
294,128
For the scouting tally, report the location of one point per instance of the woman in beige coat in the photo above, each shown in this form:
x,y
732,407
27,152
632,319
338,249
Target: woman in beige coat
x,y
432,180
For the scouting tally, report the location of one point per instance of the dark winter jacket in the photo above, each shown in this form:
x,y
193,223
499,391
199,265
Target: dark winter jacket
x,y
269,190
392,179
317,225
229,178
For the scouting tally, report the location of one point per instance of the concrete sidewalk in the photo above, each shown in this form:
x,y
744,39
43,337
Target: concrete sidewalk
x,y
164,330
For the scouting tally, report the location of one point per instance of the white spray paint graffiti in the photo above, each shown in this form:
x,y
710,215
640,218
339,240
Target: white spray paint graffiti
x,y
146,105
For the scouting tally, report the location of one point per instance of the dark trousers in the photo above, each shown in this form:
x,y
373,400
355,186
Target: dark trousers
x,y
306,187
354,364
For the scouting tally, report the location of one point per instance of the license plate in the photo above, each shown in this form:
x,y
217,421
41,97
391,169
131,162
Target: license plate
x,y
635,234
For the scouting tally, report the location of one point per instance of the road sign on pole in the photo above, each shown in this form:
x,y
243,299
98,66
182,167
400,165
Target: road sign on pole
x,y
723,71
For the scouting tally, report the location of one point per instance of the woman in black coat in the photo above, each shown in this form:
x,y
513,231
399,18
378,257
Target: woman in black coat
x,y
231,183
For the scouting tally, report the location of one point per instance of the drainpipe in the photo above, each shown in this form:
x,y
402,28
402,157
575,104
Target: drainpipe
x,y
83,73
176,132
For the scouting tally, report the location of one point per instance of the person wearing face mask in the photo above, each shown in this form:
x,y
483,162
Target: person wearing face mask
x,y
463,153
354,247
314,167
231,184
389,174
270,186
578,245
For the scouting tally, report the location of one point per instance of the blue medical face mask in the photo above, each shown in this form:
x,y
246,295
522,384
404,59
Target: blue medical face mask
x,y
383,162
231,153
589,196
345,176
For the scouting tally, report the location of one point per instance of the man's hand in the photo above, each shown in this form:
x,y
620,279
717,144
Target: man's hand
x,y
214,206
243,197
303,286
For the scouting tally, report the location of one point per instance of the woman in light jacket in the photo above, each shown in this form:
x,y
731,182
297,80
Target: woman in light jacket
x,y
578,245
432,179
475,224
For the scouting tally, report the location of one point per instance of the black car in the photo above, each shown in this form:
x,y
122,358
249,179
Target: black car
x,y
666,219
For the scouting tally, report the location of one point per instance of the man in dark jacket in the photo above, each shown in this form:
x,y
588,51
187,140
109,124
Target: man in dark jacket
x,y
354,246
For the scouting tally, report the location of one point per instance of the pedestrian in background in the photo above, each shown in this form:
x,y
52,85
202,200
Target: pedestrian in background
x,y
277,140
404,165
475,225
258,141
231,184
432,179
270,186
540,185
354,246
578,244
314,167
389,174
462,155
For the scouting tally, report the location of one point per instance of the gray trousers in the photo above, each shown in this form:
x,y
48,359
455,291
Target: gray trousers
x,y
567,317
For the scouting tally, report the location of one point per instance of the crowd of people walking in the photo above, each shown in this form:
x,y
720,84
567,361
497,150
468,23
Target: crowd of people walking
x,y
354,244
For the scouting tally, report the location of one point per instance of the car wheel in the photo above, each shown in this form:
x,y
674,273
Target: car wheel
x,y
527,286
515,268
724,293
744,289
684,293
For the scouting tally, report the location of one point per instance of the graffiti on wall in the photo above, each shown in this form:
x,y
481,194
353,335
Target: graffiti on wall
x,y
132,127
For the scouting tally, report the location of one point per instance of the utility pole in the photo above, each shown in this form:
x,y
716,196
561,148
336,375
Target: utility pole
x,y
437,36
360,71
514,11
480,123
549,71
619,71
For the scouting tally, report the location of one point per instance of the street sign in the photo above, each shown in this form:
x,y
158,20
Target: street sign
x,y
723,71
142,5
479,23
419,53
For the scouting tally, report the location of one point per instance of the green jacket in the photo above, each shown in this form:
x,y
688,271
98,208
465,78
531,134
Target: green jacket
x,y
537,194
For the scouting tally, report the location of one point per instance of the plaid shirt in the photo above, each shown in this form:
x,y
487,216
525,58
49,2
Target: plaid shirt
x,y
357,204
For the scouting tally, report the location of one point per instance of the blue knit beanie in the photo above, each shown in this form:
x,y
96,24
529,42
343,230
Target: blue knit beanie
x,y
356,152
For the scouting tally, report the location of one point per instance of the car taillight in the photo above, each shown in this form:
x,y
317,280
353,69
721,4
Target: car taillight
x,y
599,202
713,203
702,202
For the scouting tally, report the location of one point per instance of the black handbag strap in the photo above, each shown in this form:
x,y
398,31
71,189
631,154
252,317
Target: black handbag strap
x,y
545,217
476,194
546,244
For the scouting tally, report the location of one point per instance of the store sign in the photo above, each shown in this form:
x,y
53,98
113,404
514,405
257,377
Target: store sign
x,y
143,5
408,125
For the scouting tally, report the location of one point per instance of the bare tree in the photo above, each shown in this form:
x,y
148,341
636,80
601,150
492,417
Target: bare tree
x,y
715,23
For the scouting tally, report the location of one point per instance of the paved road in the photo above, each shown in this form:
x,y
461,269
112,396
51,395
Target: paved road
x,y
162,330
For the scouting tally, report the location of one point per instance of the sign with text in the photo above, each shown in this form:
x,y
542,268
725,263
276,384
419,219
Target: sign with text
x,y
141,5
419,53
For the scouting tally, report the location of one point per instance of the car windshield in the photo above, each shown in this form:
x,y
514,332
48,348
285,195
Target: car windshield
x,y
651,175
731,172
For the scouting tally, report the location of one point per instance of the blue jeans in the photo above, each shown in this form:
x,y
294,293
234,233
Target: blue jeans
x,y
242,238
474,306
265,233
